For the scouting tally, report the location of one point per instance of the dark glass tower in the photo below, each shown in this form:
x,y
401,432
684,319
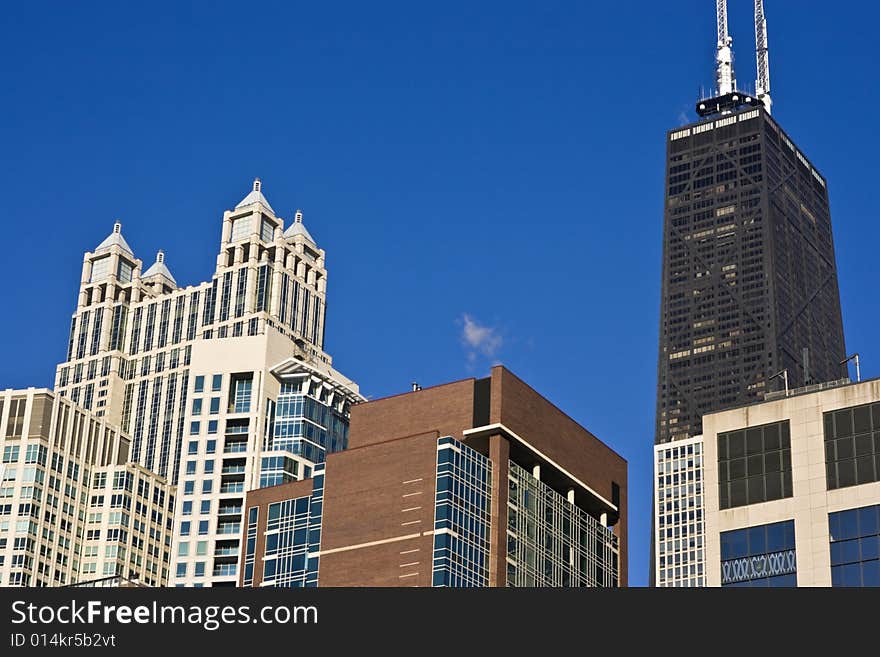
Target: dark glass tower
x,y
749,276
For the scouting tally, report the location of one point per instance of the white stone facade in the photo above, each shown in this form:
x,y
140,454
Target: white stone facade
x,y
811,501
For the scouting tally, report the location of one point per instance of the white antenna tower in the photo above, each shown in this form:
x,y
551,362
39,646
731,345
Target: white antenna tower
x,y
762,84
724,55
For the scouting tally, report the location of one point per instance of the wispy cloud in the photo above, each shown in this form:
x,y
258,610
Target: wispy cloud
x,y
479,339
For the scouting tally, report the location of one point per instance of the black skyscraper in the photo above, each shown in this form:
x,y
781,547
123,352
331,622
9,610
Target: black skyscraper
x,y
749,276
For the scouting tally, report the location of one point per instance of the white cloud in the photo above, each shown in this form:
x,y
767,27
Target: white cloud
x,y
479,339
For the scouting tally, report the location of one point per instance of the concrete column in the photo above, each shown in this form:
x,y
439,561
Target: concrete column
x,y
603,520
570,495
275,298
84,280
250,295
107,324
536,471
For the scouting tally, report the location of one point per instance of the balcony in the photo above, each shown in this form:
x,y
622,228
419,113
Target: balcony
x,y
232,487
225,570
230,510
226,552
232,469
235,448
229,528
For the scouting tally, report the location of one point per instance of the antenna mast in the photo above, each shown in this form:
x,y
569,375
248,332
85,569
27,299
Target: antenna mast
x,y
724,54
762,84
728,99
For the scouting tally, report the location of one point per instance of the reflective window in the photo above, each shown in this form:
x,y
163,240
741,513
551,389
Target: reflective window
x,y
241,228
855,546
759,556
100,268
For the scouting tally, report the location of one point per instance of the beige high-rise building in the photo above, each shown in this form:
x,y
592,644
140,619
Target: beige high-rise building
x,y
72,507
785,492
223,386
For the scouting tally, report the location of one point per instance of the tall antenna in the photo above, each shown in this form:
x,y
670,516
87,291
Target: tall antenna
x,y
762,84
724,54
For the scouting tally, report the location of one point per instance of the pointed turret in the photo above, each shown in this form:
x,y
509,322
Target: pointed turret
x,y
115,238
299,228
159,270
255,196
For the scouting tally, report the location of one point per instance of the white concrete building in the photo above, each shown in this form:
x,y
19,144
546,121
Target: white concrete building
x,y
792,489
680,532
223,386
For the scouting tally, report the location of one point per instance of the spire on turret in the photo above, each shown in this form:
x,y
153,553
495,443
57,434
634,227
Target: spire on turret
x,y
298,228
115,238
159,268
255,196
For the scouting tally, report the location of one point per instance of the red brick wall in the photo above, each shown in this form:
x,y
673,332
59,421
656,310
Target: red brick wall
x,y
447,409
376,493
525,412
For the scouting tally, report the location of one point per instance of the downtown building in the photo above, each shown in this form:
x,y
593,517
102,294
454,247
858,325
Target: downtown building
x,y
749,301
481,482
781,493
749,281
73,507
214,389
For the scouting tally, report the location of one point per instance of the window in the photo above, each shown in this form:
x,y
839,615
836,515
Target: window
x,y
200,569
241,229
852,445
203,527
188,487
190,467
181,569
183,549
194,427
759,556
240,393
184,528
855,547
754,465
216,382
197,406
201,548
100,268
215,405
210,446
124,271
207,486
187,508
212,426
10,454
267,230
199,384
209,466
193,447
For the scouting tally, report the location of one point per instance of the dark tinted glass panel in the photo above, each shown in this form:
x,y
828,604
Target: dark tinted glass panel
x,y
852,433
756,465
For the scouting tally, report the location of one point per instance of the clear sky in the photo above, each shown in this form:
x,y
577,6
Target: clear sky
x,y
485,177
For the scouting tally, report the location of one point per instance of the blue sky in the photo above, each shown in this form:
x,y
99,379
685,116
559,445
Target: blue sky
x,y
486,178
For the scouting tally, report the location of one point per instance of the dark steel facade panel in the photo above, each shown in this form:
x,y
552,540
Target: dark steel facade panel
x,y
749,282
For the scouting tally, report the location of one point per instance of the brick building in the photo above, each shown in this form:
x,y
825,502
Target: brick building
x,y
480,482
